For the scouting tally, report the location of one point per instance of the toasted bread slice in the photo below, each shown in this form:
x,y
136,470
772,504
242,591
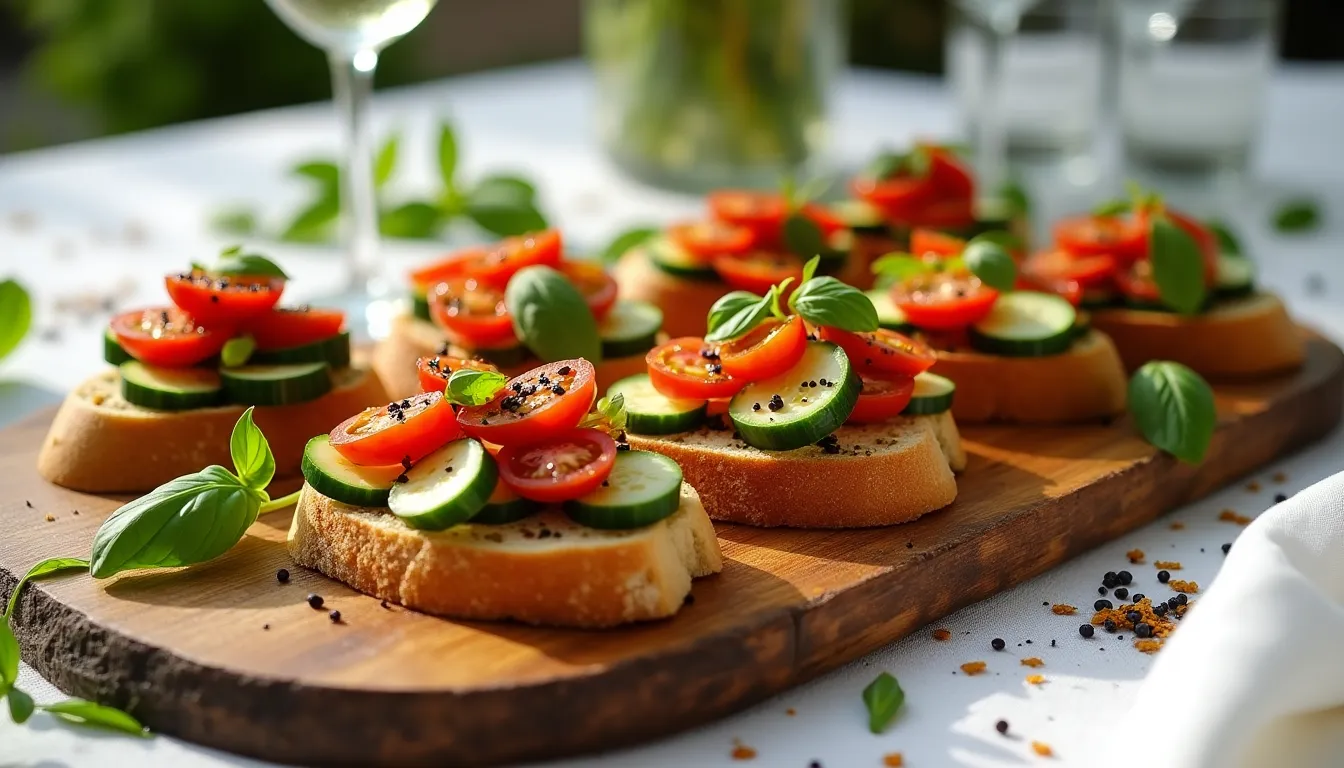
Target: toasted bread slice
x,y
1086,383
545,569
412,338
100,443
884,474
1237,338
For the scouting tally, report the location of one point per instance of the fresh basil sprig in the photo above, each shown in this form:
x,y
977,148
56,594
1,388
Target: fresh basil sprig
x,y
16,315
1173,408
628,239
551,317
725,308
237,350
44,568
232,261
1111,208
471,387
736,313
1178,266
883,697
989,261
1228,242
1297,216
608,415
827,301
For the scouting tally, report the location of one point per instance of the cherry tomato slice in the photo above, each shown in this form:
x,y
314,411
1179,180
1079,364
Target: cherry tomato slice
x,y
166,337
597,286
397,433
898,197
283,327
757,270
1058,264
1124,238
945,214
544,402
761,212
707,239
494,264
1136,283
826,220
769,349
1069,290
471,312
944,301
434,371
450,266
930,241
223,300
882,398
689,369
560,468
882,351
949,176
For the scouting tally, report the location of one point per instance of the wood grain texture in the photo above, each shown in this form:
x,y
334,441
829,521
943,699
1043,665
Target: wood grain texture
x,y
189,653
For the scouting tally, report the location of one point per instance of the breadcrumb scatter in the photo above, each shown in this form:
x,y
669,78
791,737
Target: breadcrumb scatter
x,y
1063,609
790,711
1135,556
1158,625
893,760
1189,587
1231,516
1148,646
1036,679
1178,526
1033,662
1280,477
1042,749
1253,487
973,668
941,634
51,518
742,751
1168,565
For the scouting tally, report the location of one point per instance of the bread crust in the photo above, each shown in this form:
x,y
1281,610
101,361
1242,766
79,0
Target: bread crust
x,y
1236,339
411,338
99,443
869,483
581,577
1086,383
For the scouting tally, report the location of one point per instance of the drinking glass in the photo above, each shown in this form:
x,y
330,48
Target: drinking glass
x,y
352,32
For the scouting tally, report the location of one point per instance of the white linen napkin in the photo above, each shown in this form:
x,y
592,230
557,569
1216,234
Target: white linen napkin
x,y
1254,676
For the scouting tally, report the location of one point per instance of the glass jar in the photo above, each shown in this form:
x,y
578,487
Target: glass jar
x,y
697,94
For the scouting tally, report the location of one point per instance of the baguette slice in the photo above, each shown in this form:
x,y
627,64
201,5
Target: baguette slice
x,y
1086,383
1238,338
884,474
412,338
100,443
574,577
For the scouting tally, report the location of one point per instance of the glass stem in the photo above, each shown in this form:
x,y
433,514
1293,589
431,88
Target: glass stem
x,y
991,141
351,84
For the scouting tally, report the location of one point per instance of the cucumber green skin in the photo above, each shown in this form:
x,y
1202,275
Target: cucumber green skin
x,y
806,431
420,307
503,357
299,389
613,349
332,488
464,507
626,516
928,406
664,423
508,512
334,351
1053,345
162,400
685,272
1235,292
112,351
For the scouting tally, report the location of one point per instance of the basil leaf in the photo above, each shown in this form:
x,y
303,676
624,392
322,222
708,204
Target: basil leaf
x,y
236,263
827,301
501,187
468,386
744,319
613,410
252,457
625,241
234,221
327,174
1228,243
386,161
236,351
1173,408
82,712
447,154
885,165
1113,208
1297,216
1178,266
16,316
991,263
1015,195
551,317
314,224
1006,240
9,656
726,307
44,568
883,697
802,236
20,705
777,292
191,519
415,220
901,266
810,269
505,218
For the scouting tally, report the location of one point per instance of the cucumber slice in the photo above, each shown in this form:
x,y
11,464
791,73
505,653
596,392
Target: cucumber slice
x,y
276,384
648,412
786,412
1026,324
447,487
336,477
1236,276
643,488
933,394
631,328
889,315
505,506
169,389
420,306
861,216
503,357
334,351
672,259
112,351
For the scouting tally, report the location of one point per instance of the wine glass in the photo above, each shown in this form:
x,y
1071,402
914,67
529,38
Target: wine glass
x,y
352,32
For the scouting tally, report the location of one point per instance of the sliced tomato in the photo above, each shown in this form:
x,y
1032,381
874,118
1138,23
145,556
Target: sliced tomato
x,y
944,301
689,368
434,371
544,402
882,351
1059,264
769,349
1204,238
223,300
166,337
826,220
945,214
925,241
898,197
707,239
761,212
949,176
472,312
287,327
560,468
757,270
450,266
400,432
1136,284
1124,238
597,286
1070,290
882,398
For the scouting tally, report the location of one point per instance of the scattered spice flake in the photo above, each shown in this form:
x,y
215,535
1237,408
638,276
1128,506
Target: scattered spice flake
x,y
973,668
1033,662
1231,516
742,751
790,711
1036,679
1178,526
893,760
1148,646
1135,556
1168,565
1063,609
1253,487
941,634
1280,477
1042,749
1161,626
1188,587
51,518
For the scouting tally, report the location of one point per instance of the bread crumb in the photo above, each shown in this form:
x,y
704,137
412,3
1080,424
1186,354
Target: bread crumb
x,y
1033,662
941,634
1253,487
973,668
790,711
1148,646
51,518
1178,526
1168,565
1062,609
1188,587
1231,516
1280,477
742,751
1042,749
1036,679
893,760
1135,556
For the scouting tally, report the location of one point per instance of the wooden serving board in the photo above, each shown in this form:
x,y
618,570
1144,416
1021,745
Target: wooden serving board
x,y
224,655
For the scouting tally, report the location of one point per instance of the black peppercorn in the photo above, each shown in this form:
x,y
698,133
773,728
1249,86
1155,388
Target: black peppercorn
x,y
1102,605
1109,625
315,600
1172,603
1101,591
1001,727
1108,580
282,576
1138,596
335,617
1124,577
1164,576
1227,548
1121,593
1085,630
1134,617
1143,630
997,644
1182,599
1160,609
1279,498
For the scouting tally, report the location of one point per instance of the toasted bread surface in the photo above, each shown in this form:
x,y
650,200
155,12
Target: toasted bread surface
x,y
883,474
100,443
545,569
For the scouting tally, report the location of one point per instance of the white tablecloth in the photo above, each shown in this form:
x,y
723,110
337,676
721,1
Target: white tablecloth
x,y
106,218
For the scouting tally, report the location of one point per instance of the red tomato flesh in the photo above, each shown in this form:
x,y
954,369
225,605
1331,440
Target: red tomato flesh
x,y
688,368
1124,238
757,270
760,212
560,468
283,328
944,301
401,432
1058,264
769,349
707,239
924,242
543,403
597,286
882,351
882,398
471,312
166,337
223,300
434,371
